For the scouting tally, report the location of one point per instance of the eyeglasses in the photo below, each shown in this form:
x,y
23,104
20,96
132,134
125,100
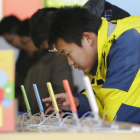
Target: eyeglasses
x,y
53,50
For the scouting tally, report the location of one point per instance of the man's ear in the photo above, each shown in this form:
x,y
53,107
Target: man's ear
x,y
89,37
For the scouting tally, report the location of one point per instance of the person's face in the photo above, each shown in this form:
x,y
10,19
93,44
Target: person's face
x,y
28,45
85,57
13,40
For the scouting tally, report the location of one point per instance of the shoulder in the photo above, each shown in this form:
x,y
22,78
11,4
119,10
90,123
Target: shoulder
x,y
128,42
130,36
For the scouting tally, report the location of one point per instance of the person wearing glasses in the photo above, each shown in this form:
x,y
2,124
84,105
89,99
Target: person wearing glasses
x,y
108,53
45,67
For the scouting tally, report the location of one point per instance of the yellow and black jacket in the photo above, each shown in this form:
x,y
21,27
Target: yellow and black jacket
x,y
117,80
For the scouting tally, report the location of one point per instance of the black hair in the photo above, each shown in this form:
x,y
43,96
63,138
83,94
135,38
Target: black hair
x,y
9,25
24,28
40,23
70,23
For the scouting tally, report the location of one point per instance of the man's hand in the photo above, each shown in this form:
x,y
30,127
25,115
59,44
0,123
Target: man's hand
x,y
62,101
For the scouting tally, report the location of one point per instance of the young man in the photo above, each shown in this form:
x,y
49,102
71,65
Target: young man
x,y
45,67
109,53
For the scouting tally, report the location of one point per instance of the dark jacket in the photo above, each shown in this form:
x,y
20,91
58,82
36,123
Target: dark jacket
x,y
117,13
23,64
98,7
49,68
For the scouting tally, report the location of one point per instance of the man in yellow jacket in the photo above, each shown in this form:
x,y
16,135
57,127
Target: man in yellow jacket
x,y
109,53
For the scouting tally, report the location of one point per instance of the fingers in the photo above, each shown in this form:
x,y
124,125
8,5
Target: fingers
x,y
48,110
46,99
47,104
61,96
65,104
61,114
51,109
57,96
62,102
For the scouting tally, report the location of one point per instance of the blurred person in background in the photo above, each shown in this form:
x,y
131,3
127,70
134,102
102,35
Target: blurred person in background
x,y
8,29
45,67
40,22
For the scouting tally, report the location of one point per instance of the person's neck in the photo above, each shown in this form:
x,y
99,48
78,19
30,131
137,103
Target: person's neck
x,y
93,71
33,53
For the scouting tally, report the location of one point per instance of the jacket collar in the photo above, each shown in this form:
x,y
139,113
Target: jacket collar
x,y
102,37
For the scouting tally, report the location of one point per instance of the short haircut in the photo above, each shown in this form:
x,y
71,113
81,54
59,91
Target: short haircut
x,y
70,23
40,23
24,28
9,25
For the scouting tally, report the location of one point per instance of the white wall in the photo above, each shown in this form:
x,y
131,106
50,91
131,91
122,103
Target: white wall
x,y
131,6
5,46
